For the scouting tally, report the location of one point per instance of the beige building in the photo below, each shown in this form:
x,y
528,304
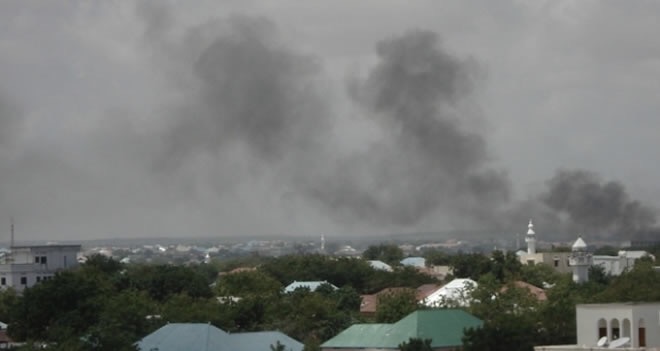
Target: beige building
x,y
628,326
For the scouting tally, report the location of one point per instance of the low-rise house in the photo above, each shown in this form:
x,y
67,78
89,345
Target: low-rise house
x,y
369,304
535,291
445,328
380,265
311,285
456,293
206,337
417,262
633,326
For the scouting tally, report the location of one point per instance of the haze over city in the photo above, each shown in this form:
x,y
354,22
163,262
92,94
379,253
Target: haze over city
x,y
229,118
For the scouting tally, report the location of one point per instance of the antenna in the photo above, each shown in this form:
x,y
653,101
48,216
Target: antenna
x,y
619,342
11,220
602,341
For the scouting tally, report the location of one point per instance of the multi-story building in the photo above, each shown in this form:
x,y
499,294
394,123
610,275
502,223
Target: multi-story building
x,y
631,326
25,266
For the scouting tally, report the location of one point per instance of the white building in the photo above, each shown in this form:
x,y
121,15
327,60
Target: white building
x,y
632,326
615,265
25,266
580,260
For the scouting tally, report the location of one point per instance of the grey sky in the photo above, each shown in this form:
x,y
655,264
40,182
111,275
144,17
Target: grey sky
x,y
112,124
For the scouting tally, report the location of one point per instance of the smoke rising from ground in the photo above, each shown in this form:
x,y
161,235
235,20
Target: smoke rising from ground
x,y
601,208
426,161
239,124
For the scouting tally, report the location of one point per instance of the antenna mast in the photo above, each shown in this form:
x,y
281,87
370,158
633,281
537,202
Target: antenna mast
x,y
11,220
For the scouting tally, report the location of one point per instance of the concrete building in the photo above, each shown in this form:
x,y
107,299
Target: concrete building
x,y
580,261
625,260
631,326
557,260
25,266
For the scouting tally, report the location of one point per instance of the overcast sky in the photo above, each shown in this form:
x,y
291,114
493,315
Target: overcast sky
x,y
218,118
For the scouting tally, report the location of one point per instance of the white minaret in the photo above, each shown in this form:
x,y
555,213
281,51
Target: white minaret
x,y
580,260
530,239
322,243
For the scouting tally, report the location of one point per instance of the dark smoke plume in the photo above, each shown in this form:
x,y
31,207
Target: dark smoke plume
x,y
251,90
427,161
592,205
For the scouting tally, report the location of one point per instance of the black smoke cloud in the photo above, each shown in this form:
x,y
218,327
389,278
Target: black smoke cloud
x,y
426,160
600,208
252,91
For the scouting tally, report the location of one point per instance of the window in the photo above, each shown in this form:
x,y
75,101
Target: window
x,y
44,259
3,281
568,263
556,262
38,278
24,280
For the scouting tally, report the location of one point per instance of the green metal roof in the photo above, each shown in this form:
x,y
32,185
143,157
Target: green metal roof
x,y
443,326
206,337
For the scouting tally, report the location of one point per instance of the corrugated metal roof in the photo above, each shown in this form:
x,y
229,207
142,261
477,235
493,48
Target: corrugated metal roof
x,y
206,337
376,264
443,326
312,286
414,261
262,341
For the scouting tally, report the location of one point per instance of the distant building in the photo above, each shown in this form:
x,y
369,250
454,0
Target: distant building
x,y
625,260
25,266
559,261
630,326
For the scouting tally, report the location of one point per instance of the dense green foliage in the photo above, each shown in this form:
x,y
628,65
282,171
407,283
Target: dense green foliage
x,y
105,305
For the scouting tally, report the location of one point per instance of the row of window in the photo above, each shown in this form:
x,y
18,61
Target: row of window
x,y
3,280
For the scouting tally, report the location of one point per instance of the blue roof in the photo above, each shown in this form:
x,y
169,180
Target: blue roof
x,y
414,261
206,337
312,286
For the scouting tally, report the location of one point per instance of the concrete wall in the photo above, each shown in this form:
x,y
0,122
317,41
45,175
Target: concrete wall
x,y
618,320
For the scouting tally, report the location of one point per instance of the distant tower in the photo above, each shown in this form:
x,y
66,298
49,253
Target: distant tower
x,y
580,260
530,239
322,243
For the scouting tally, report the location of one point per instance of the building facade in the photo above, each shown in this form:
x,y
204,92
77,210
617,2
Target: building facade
x,y
25,266
630,325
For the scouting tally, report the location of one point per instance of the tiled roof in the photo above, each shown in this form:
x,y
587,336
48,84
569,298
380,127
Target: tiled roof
x,y
537,292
